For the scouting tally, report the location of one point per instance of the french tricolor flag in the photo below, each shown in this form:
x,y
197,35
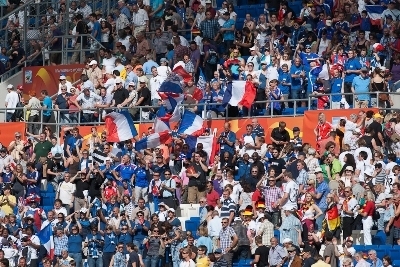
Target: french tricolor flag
x,y
209,143
153,140
239,93
120,126
191,124
375,13
46,239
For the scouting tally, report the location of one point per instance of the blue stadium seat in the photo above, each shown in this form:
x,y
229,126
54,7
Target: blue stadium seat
x,y
288,111
241,13
47,208
277,234
48,201
369,247
394,254
219,3
252,11
380,252
359,247
192,226
301,110
395,263
379,238
50,188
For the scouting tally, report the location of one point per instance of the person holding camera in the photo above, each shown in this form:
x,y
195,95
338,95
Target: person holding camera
x,y
95,242
154,243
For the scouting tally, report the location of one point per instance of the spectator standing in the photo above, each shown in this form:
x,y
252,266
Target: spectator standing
x,y
352,68
277,253
360,84
11,102
227,241
140,20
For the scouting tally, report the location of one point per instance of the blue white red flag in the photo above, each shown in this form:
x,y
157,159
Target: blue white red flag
x,y
171,85
46,239
120,126
239,93
153,140
375,13
199,92
191,124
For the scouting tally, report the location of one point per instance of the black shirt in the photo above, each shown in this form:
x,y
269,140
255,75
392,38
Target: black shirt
x,y
120,95
54,167
314,247
80,187
81,28
95,184
16,55
377,128
263,251
280,136
200,182
58,44
145,93
308,262
133,257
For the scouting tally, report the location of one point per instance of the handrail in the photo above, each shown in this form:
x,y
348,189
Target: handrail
x,y
19,8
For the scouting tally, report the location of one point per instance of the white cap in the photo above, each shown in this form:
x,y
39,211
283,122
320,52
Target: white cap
x,y
107,159
287,240
328,23
10,86
208,2
369,172
62,77
131,83
83,210
253,48
93,62
171,210
318,169
118,80
30,216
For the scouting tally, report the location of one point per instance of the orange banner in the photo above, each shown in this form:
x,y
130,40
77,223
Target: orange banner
x,y
47,77
8,130
310,120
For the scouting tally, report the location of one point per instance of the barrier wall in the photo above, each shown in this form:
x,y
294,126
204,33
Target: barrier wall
x,y
307,124
47,77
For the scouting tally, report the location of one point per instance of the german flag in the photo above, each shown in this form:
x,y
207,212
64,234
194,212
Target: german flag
x,y
331,221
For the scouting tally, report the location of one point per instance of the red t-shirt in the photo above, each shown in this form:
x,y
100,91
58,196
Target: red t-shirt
x,y
257,196
369,208
212,198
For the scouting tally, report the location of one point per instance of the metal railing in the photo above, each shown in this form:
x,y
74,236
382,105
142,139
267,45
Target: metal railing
x,y
371,95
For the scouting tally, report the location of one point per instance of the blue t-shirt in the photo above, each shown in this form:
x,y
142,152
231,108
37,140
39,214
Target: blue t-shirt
x,y
141,177
47,104
361,85
351,64
336,87
97,28
231,137
140,233
323,189
296,82
284,77
125,171
306,58
229,35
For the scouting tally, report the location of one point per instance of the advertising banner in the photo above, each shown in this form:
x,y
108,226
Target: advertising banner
x,y
47,77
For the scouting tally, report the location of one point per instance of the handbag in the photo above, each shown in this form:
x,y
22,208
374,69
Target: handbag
x,y
382,97
376,216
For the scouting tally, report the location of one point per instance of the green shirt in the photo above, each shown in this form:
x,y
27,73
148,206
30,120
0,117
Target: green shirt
x,y
42,149
336,167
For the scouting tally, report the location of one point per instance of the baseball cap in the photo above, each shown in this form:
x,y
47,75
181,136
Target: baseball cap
x,y
163,60
349,168
218,251
287,240
318,170
142,79
62,77
93,62
131,84
378,116
10,86
118,80
171,210
253,48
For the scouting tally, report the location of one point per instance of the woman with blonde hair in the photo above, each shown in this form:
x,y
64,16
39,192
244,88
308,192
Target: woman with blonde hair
x,y
202,260
204,239
186,254
367,211
308,213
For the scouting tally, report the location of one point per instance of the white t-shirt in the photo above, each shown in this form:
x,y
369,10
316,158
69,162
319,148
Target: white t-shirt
x,y
12,99
292,189
163,71
66,191
155,83
109,85
35,240
109,62
389,167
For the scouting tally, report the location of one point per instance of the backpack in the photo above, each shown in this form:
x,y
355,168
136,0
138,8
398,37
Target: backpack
x,y
213,57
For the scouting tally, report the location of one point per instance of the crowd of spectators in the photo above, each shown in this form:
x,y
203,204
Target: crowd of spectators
x,y
123,208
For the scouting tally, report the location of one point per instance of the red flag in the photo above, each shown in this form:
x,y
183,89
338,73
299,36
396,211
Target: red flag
x,y
197,94
249,95
179,70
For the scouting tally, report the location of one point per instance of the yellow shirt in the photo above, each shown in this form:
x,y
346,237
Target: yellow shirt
x,y
203,262
5,206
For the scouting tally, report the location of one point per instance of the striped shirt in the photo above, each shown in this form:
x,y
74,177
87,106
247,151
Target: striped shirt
x,y
302,178
380,177
228,206
276,255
